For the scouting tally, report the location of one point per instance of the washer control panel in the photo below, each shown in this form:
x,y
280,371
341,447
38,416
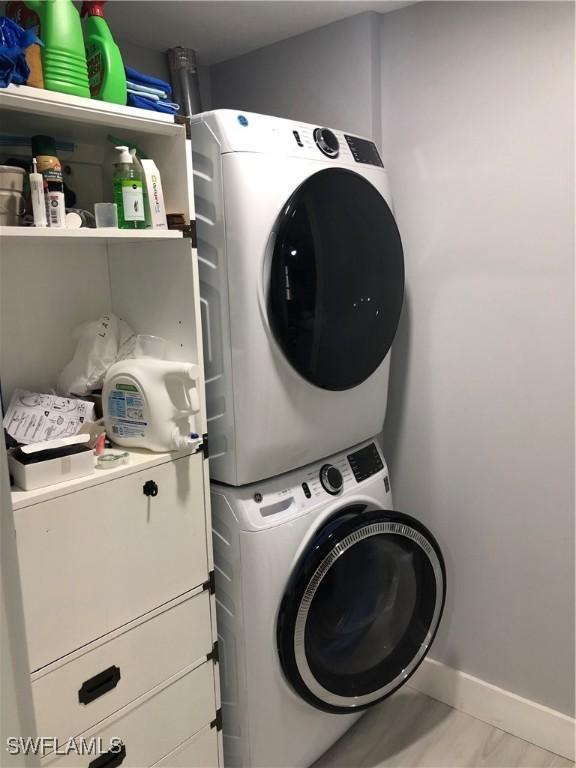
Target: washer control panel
x,y
365,462
272,501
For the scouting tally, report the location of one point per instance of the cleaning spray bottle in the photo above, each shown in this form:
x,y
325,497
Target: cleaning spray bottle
x,y
105,66
128,191
150,403
63,54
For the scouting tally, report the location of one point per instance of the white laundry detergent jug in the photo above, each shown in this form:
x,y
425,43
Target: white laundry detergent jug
x,y
150,403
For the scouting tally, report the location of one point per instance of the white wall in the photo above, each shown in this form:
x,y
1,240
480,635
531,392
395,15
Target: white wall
x,y
475,118
478,131
155,63
326,76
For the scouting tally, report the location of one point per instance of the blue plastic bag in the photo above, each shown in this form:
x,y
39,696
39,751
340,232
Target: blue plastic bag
x,y
13,43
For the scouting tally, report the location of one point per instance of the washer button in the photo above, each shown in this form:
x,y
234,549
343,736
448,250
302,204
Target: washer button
x,y
306,490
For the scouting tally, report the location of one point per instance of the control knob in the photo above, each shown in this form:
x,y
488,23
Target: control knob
x,y
331,479
326,142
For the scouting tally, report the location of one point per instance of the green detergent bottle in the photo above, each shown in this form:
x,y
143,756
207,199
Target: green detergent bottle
x,y
63,55
105,66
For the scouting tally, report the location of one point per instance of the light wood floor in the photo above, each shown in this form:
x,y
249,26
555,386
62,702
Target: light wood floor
x,y
410,730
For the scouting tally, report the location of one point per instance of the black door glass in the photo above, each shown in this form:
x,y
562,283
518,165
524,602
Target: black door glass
x,y
371,612
370,615
336,279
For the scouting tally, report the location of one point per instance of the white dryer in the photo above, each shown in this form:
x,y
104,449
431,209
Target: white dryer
x,y
327,601
301,282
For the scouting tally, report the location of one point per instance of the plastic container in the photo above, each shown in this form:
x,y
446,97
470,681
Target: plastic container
x,y
12,207
128,191
106,215
150,404
11,178
63,55
106,73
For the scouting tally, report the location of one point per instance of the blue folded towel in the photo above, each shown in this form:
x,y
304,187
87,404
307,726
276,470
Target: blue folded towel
x,y
142,102
144,89
147,80
151,96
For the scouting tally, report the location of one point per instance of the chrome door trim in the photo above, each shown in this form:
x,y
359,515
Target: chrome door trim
x,y
373,529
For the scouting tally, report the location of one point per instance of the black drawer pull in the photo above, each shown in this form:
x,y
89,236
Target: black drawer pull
x,y
150,488
99,684
109,759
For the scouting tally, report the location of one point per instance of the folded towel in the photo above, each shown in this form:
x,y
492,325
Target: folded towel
x,y
143,102
148,80
146,90
151,96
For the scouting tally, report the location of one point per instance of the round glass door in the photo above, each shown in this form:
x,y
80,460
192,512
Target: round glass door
x,y
361,610
336,279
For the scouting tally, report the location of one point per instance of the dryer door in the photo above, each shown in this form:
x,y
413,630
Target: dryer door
x,y
361,610
336,279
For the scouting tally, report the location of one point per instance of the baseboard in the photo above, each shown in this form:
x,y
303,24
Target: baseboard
x,y
521,717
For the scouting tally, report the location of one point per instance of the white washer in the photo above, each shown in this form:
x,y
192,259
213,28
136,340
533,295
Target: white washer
x,y
302,283
327,601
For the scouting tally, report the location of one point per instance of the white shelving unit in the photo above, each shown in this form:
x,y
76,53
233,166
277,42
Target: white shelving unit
x,y
116,583
87,235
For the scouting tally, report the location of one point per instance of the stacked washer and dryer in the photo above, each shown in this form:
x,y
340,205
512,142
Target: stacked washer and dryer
x,y
328,599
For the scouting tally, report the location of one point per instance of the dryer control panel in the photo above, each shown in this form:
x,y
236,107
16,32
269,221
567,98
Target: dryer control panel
x,y
365,462
364,151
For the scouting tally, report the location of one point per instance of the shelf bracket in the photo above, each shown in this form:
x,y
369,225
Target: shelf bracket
x,y
211,583
214,654
189,231
217,722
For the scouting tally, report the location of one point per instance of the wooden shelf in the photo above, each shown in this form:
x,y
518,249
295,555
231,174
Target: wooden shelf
x,y
85,234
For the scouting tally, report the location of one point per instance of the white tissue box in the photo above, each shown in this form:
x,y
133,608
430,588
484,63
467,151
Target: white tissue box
x,y
36,466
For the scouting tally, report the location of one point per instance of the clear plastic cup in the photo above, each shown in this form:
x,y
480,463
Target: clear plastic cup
x,y
106,215
149,346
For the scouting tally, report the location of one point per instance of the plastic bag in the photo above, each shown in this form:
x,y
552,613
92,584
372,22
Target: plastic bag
x,y
13,43
97,348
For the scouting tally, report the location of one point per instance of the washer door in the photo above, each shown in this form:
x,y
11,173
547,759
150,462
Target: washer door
x,y
336,279
361,610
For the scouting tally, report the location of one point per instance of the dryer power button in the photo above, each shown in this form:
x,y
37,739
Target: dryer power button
x,y
331,479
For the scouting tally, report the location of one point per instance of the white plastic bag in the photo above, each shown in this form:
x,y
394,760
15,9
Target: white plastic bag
x,y
96,350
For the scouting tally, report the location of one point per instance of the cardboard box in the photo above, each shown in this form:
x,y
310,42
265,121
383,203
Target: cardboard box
x,y
155,195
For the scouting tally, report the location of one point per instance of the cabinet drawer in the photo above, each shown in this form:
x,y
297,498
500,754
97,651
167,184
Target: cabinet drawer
x,y
201,751
96,559
152,726
76,695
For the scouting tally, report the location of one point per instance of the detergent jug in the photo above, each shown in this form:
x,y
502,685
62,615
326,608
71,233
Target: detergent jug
x,y
149,403
63,54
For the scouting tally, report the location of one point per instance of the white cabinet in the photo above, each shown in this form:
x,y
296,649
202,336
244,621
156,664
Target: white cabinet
x,y
82,689
117,583
95,559
149,729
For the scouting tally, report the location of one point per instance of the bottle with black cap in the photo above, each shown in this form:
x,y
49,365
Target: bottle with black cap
x,y
44,150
